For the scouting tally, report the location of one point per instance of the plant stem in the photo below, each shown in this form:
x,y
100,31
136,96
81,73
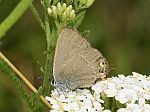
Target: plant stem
x,y
24,79
48,66
47,2
37,17
14,16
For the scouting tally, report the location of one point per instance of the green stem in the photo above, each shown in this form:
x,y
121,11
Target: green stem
x,y
37,17
106,99
47,2
14,16
48,67
113,105
4,67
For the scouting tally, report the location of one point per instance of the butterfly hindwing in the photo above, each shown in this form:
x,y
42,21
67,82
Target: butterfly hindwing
x,y
76,62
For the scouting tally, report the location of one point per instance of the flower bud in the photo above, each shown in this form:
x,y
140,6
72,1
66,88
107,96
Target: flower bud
x,y
59,9
69,8
54,11
64,6
49,10
67,13
59,6
64,17
62,12
72,14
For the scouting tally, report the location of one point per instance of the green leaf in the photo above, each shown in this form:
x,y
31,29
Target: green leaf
x,y
85,33
36,100
14,16
55,2
68,2
5,68
78,20
37,17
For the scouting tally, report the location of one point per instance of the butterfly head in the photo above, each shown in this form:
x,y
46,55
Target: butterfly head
x,y
62,86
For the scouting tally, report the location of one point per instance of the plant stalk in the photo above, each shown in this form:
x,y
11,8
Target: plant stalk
x,y
14,16
24,79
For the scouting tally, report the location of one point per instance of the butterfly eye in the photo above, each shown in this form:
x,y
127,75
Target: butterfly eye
x,y
53,82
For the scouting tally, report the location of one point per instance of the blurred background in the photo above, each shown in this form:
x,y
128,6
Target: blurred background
x,y
120,29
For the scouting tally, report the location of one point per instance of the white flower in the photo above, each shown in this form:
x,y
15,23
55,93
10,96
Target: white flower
x,y
75,101
51,100
126,95
123,110
140,107
106,110
111,90
142,101
99,86
147,96
97,105
130,91
55,111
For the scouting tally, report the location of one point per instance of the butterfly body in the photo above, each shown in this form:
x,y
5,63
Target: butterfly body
x,y
76,63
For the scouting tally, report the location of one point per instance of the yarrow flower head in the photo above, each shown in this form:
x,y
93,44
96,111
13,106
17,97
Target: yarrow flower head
x,y
75,101
127,94
61,12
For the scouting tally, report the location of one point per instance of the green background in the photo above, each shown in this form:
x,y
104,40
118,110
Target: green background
x,y
120,29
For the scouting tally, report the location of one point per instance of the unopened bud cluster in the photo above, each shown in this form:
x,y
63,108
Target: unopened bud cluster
x,y
62,12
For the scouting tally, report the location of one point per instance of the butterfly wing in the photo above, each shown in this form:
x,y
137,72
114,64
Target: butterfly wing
x,y
76,63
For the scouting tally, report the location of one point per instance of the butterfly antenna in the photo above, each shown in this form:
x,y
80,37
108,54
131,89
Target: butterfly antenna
x,y
38,78
111,67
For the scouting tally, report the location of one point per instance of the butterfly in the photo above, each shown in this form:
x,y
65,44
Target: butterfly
x,y
76,63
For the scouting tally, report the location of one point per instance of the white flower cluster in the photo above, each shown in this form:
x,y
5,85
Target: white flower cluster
x,y
132,91
76,101
140,107
125,89
62,12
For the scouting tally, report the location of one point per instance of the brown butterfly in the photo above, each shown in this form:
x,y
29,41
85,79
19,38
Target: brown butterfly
x,y
76,63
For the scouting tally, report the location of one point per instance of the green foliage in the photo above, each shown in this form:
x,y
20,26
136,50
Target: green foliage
x,y
71,14
36,101
111,103
120,30
51,26
78,19
12,75
14,16
37,17
86,33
